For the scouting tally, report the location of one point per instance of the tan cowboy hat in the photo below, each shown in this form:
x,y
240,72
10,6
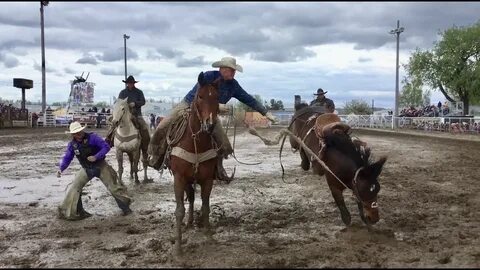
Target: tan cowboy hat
x,y
130,79
228,62
75,127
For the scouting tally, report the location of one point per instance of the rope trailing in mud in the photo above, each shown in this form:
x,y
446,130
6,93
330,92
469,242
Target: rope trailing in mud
x,y
234,136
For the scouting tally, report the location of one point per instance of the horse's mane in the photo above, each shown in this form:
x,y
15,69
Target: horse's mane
x,y
343,143
300,106
305,109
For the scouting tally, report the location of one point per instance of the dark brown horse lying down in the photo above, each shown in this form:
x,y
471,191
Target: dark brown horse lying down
x,y
325,144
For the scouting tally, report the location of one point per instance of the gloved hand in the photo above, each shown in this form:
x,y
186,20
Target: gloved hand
x,y
223,108
92,158
59,173
270,117
131,104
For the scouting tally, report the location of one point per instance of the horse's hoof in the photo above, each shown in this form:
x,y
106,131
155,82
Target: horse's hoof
x,y
137,182
347,220
209,233
305,165
148,180
178,251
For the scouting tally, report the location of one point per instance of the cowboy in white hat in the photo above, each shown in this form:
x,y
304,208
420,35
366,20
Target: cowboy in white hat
x,y
229,88
90,150
321,100
136,100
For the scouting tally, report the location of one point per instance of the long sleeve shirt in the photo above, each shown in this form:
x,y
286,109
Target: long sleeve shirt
x,y
227,90
134,95
98,144
326,102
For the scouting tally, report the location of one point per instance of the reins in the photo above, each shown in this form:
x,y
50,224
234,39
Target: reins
x,y
231,116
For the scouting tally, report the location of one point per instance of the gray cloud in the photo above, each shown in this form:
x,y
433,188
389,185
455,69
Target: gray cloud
x,y
8,60
364,59
118,54
193,62
87,59
48,69
110,71
169,53
293,55
267,29
69,70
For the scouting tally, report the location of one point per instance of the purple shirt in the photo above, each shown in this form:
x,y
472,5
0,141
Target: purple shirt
x,y
94,140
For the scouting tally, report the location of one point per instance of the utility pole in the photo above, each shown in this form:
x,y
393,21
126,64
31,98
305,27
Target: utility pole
x,y
397,32
44,95
125,37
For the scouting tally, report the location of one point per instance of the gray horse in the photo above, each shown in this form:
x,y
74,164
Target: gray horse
x,y
127,140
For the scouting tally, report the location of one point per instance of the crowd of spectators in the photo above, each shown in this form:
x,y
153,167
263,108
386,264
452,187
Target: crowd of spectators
x,y
9,113
95,110
426,111
458,127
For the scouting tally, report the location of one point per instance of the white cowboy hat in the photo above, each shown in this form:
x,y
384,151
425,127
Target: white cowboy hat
x,y
75,127
228,62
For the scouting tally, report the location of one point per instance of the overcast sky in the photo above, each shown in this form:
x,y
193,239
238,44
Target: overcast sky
x,y
285,48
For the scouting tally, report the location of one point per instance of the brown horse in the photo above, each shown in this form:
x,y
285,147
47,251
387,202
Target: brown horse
x,y
348,161
193,158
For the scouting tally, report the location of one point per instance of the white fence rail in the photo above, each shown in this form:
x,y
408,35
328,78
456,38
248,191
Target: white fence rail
x,y
454,124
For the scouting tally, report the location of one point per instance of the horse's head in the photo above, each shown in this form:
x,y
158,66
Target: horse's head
x,y
205,103
366,187
120,110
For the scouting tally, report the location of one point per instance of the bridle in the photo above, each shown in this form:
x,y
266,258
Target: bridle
x,y
373,203
201,130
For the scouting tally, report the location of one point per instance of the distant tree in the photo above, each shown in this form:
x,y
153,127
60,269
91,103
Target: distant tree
x,y
101,104
452,66
412,93
275,105
356,106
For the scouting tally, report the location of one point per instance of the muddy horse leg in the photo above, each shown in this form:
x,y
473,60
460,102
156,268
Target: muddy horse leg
x,y
133,157
136,161
179,188
205,193
362,214
145,166
191,198
119,155
339,200
305,161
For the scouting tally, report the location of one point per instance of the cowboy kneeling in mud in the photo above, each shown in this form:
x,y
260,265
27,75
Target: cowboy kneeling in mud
x,y
90,150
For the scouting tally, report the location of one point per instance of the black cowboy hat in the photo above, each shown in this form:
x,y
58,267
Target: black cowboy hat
x,y
130,79
320,92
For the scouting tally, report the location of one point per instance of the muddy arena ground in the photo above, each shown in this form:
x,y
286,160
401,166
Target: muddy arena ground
x,y
429,208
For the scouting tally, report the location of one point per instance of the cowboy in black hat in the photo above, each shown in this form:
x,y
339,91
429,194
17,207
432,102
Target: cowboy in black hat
x,y
136,100
321,100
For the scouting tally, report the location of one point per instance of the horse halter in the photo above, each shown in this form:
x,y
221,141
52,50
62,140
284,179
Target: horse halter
x,y
374,204
203,125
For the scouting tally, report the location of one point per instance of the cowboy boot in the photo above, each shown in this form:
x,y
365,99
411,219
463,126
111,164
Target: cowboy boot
x,y
220,173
